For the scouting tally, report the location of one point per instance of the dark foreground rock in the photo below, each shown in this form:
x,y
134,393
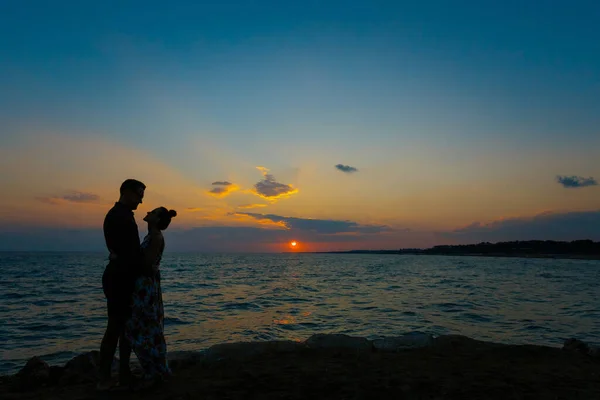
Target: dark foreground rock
x,y
336,367
34,374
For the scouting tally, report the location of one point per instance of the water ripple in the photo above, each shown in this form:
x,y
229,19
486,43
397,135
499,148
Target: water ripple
x,y
53,303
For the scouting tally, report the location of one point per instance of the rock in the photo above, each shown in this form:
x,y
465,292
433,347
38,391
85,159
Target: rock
x,y
412,340
248,349
84,363
332,341
56,374
576,345
184,359
34,374
84,368
456,341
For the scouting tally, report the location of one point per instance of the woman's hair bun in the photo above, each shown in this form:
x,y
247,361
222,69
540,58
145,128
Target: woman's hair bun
x,y
172,213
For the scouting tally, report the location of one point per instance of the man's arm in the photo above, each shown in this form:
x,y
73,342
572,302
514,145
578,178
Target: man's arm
x,y
122,239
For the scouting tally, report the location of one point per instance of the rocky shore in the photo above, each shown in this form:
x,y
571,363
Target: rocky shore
x,y
414,366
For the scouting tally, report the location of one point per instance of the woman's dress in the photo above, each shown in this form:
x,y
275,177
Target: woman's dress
x,y
145,328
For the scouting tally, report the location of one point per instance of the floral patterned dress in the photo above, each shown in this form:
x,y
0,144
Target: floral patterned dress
x,y
145,328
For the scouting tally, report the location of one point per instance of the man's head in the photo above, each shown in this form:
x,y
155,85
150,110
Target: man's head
x,y
132,193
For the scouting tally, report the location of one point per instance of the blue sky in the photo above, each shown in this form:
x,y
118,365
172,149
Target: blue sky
x,y
452,112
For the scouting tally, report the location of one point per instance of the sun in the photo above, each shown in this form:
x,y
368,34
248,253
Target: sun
x,y
294,244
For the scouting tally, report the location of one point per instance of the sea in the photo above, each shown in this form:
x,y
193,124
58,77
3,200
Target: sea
x,y
52,304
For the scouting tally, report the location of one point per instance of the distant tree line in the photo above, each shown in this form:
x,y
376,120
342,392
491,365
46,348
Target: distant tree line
x,y
580,247
527,247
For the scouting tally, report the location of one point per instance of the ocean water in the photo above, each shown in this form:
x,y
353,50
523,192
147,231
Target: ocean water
x,y
52,304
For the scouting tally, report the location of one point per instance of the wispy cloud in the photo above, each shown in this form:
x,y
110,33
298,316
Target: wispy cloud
x,y
256,239
72,197
248,206
546,226
322,226
208,238
248,219
222,189
270,189
572,182
346,168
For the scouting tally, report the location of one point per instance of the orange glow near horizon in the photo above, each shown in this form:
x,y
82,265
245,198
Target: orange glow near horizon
x,y
54,190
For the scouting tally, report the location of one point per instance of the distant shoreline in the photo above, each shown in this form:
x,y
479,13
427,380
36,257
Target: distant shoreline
x,y
574,250
491,255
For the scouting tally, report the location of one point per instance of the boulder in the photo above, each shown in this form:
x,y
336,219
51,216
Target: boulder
x,y
56,374
337,341
81,368
84,363
578,346
412,340
456,341
184,359
34,374
249,349
84,368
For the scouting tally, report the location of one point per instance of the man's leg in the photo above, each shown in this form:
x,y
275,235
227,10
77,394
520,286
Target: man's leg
x,y
124,357
108,347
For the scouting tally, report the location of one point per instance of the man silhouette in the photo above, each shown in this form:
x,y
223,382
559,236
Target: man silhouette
x,y
122,239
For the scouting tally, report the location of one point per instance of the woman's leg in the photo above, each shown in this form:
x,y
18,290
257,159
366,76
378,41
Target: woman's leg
x,y
165,370
137,326
145,329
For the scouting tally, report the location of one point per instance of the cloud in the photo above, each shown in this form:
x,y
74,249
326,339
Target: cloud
x,y
52,239
258,239
209,239
73,197
81,197
573,181
321,226
565,226
248,206
222,189
275,232
270,189
213,214
266,238
346,168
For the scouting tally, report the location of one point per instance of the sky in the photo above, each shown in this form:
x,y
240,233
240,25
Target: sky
x,y
340,125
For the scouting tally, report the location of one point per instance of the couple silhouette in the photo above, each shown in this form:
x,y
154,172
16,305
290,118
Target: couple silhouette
x,y
131,285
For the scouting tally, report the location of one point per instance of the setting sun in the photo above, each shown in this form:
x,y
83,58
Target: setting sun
x,y
294,244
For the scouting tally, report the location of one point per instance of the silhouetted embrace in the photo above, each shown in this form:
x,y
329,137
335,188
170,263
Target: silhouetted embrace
x,y
145,329
131,284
